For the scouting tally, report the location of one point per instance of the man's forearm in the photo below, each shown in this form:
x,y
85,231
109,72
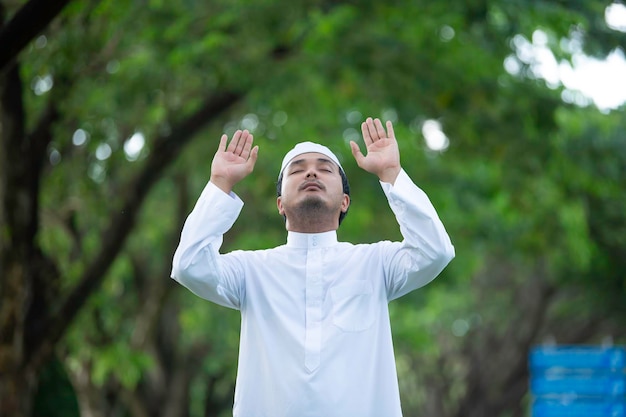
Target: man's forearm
x,y
419,222
213,215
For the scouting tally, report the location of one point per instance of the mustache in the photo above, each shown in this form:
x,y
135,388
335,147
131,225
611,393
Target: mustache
x,y
311,182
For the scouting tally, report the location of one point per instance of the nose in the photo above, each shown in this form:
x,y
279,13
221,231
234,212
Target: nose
x,y
311,173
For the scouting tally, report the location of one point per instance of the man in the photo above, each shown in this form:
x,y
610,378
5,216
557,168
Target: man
x,y
315,331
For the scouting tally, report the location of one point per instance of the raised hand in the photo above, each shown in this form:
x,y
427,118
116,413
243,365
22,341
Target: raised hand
x,y
233,163
383,155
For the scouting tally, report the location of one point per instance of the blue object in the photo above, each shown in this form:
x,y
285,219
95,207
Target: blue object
x,y
565,408
578,357
580,384
578,381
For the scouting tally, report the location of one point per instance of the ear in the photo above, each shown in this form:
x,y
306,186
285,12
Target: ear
x,y
279,204
345,203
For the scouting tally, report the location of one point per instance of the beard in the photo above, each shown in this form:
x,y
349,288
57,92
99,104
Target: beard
x,y
313,211
311,207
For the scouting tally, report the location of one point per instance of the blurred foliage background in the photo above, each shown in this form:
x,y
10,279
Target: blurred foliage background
x,y
110,116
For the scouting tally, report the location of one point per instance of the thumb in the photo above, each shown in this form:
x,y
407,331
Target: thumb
x,y
356,152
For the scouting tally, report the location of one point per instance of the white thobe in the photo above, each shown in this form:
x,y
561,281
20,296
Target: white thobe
x,y
315,331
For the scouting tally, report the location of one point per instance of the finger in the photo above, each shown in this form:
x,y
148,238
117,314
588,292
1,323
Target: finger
x,y
233,143
372,129
245,152
222,145
366,134
242,142
253,157
390,133
356,152
380,130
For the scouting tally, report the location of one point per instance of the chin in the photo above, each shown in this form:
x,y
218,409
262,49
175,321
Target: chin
x,y
311,204
313,201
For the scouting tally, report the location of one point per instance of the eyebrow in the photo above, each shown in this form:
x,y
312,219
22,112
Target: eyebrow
x,y
319,160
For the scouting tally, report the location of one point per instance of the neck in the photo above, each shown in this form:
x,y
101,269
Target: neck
x,y
309,229
311,220
311,226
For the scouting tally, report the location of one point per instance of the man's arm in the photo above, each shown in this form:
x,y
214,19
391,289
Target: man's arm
x,y
197,264
426,248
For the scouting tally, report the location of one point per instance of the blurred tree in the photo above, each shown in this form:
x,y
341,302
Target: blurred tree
x,y
98,168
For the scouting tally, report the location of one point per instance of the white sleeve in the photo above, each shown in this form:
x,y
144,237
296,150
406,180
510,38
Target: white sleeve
x,y
426,248
197,264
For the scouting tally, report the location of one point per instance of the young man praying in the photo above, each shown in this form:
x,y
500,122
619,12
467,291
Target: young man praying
x,y
315,331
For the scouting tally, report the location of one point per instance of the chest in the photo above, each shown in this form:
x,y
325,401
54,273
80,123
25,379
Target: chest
x,y
339,287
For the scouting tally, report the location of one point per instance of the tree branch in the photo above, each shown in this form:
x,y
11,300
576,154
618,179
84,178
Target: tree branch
x,y
27,23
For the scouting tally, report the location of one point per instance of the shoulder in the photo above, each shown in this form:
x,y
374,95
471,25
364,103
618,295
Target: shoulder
x,y
245,255
367,249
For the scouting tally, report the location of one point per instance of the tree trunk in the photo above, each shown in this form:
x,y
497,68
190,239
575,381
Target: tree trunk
x,y
21,300
16,251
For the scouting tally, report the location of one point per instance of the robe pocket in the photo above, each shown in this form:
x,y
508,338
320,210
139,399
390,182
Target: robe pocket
x,y
353,305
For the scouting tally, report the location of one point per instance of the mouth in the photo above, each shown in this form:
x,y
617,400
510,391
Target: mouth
x,y
311,186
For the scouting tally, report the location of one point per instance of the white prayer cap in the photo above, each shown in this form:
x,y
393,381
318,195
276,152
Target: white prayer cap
x,y
308,147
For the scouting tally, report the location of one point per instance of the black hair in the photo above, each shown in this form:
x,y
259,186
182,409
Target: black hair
x,y
344,183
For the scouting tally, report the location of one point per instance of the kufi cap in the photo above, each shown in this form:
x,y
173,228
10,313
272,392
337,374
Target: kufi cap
x,y
308,147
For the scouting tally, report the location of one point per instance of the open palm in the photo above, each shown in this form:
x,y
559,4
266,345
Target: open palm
x,y
234,162
383,155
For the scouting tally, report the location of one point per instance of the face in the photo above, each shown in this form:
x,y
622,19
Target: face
x,y
312,184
